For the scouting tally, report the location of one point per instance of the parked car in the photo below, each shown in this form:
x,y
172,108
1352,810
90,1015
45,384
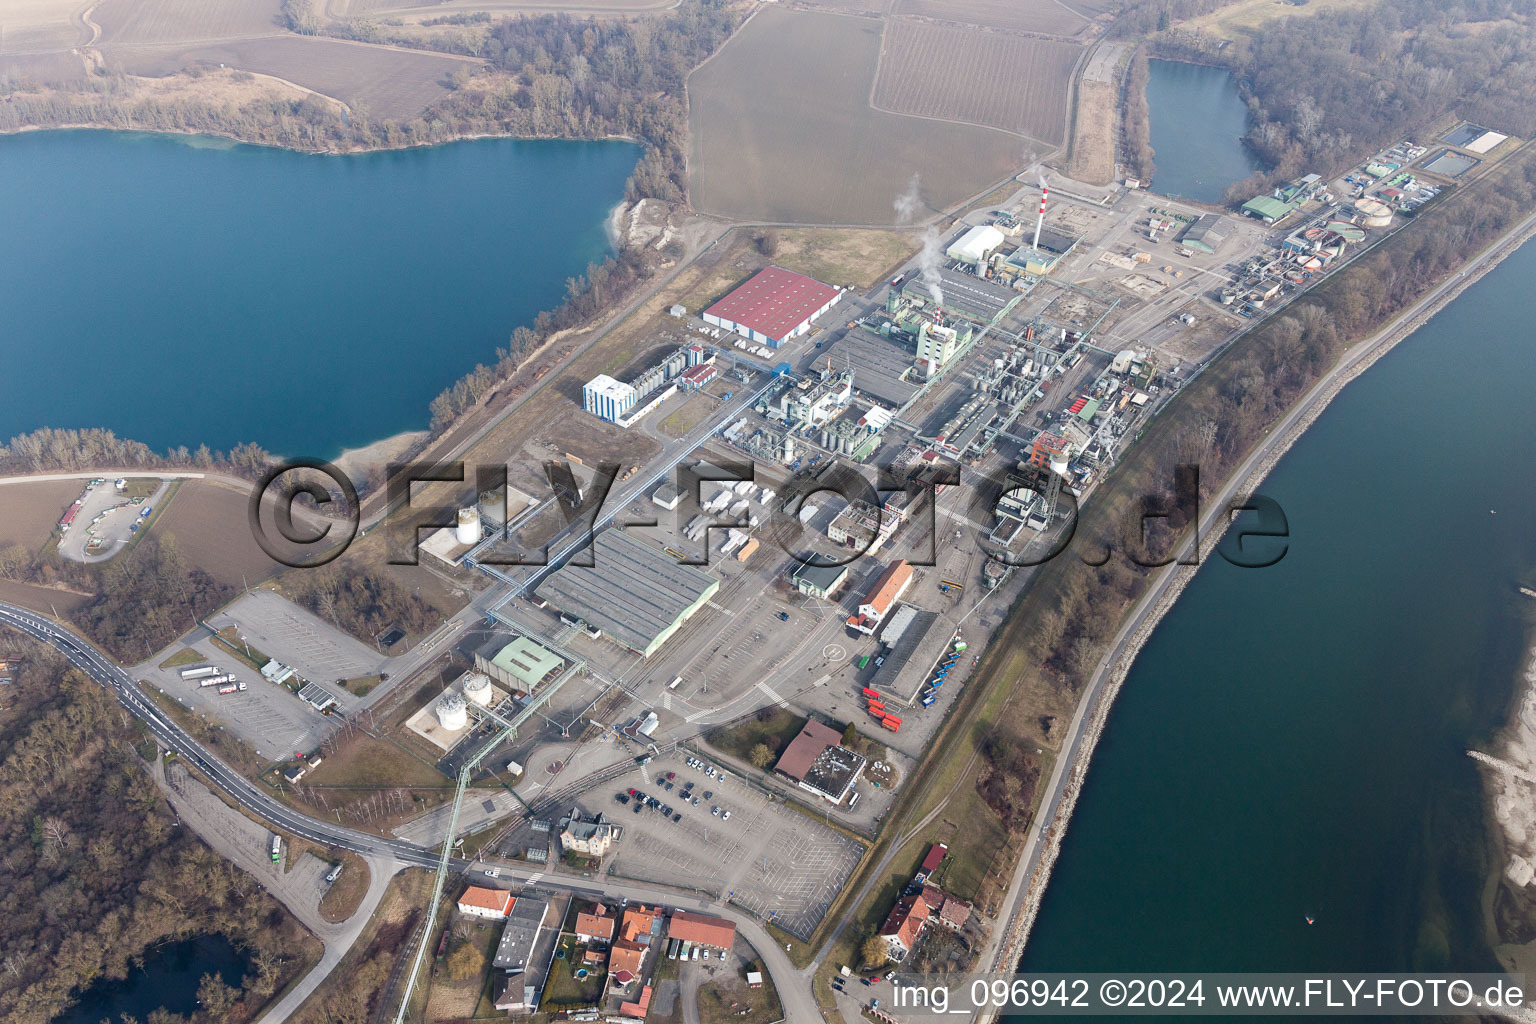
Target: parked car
x,y
725,815
621,798
676,818
715,811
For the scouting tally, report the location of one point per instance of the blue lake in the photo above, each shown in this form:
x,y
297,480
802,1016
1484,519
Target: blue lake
x,y
188,290
1197,120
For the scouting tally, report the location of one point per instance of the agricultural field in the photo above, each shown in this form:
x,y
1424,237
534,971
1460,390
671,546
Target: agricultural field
x,y
1047,17
29,26
1013,82
386,83
208,522
808,148
418,10
145,22
33,509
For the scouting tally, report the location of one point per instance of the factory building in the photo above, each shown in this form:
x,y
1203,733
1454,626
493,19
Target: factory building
x,y
521,664
976,299
1039,260
936,346
773,306
864,526
811,401
633,591
1206,234
821,581
977,245
607,399
884,362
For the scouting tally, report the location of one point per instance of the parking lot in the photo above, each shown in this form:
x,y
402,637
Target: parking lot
x,y
89,540
769,859
312,647
268,717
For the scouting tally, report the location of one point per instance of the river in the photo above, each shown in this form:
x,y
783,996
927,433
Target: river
x,y
1291,742
187,290
169,979
1197,120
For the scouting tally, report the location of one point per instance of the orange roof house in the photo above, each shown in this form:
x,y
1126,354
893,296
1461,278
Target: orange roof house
x,y
905,923
640,1007
596,926
478,902
701,929
625,956
638,922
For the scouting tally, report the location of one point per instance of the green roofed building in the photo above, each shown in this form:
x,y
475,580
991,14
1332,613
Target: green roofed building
x,y
522,664
633,591
1268,209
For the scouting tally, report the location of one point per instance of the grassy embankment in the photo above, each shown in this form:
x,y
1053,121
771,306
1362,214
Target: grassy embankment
x,y
1033,671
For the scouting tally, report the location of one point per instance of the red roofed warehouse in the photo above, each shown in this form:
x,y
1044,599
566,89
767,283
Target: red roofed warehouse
x,y
773,306
701,929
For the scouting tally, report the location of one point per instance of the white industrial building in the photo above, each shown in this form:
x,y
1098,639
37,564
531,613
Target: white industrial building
x,y
606,398
936,346
976,245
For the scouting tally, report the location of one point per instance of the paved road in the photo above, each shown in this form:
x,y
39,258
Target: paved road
x,y
1215,509
799,1005
172,737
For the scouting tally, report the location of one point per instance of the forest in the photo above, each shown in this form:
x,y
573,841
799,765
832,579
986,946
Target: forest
x,y
359,601
95,874
1326,88
143,599
52,449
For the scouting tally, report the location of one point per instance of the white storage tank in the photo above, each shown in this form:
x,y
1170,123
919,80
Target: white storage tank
x,y
477,687
452,712
468,529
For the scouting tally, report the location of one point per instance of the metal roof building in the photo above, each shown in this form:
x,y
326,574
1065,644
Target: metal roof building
x,y
635,592
520,664
882,366
972,297
773,306
976,244
524,920
1206,234
912,652
1268,209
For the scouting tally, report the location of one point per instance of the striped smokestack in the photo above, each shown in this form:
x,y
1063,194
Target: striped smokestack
x,y
1045,190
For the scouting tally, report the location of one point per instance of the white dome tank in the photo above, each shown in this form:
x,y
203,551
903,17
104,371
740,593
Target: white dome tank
x,y
451,713
477,687
468,530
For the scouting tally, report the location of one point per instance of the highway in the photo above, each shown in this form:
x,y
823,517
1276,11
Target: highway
x,y
171,736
